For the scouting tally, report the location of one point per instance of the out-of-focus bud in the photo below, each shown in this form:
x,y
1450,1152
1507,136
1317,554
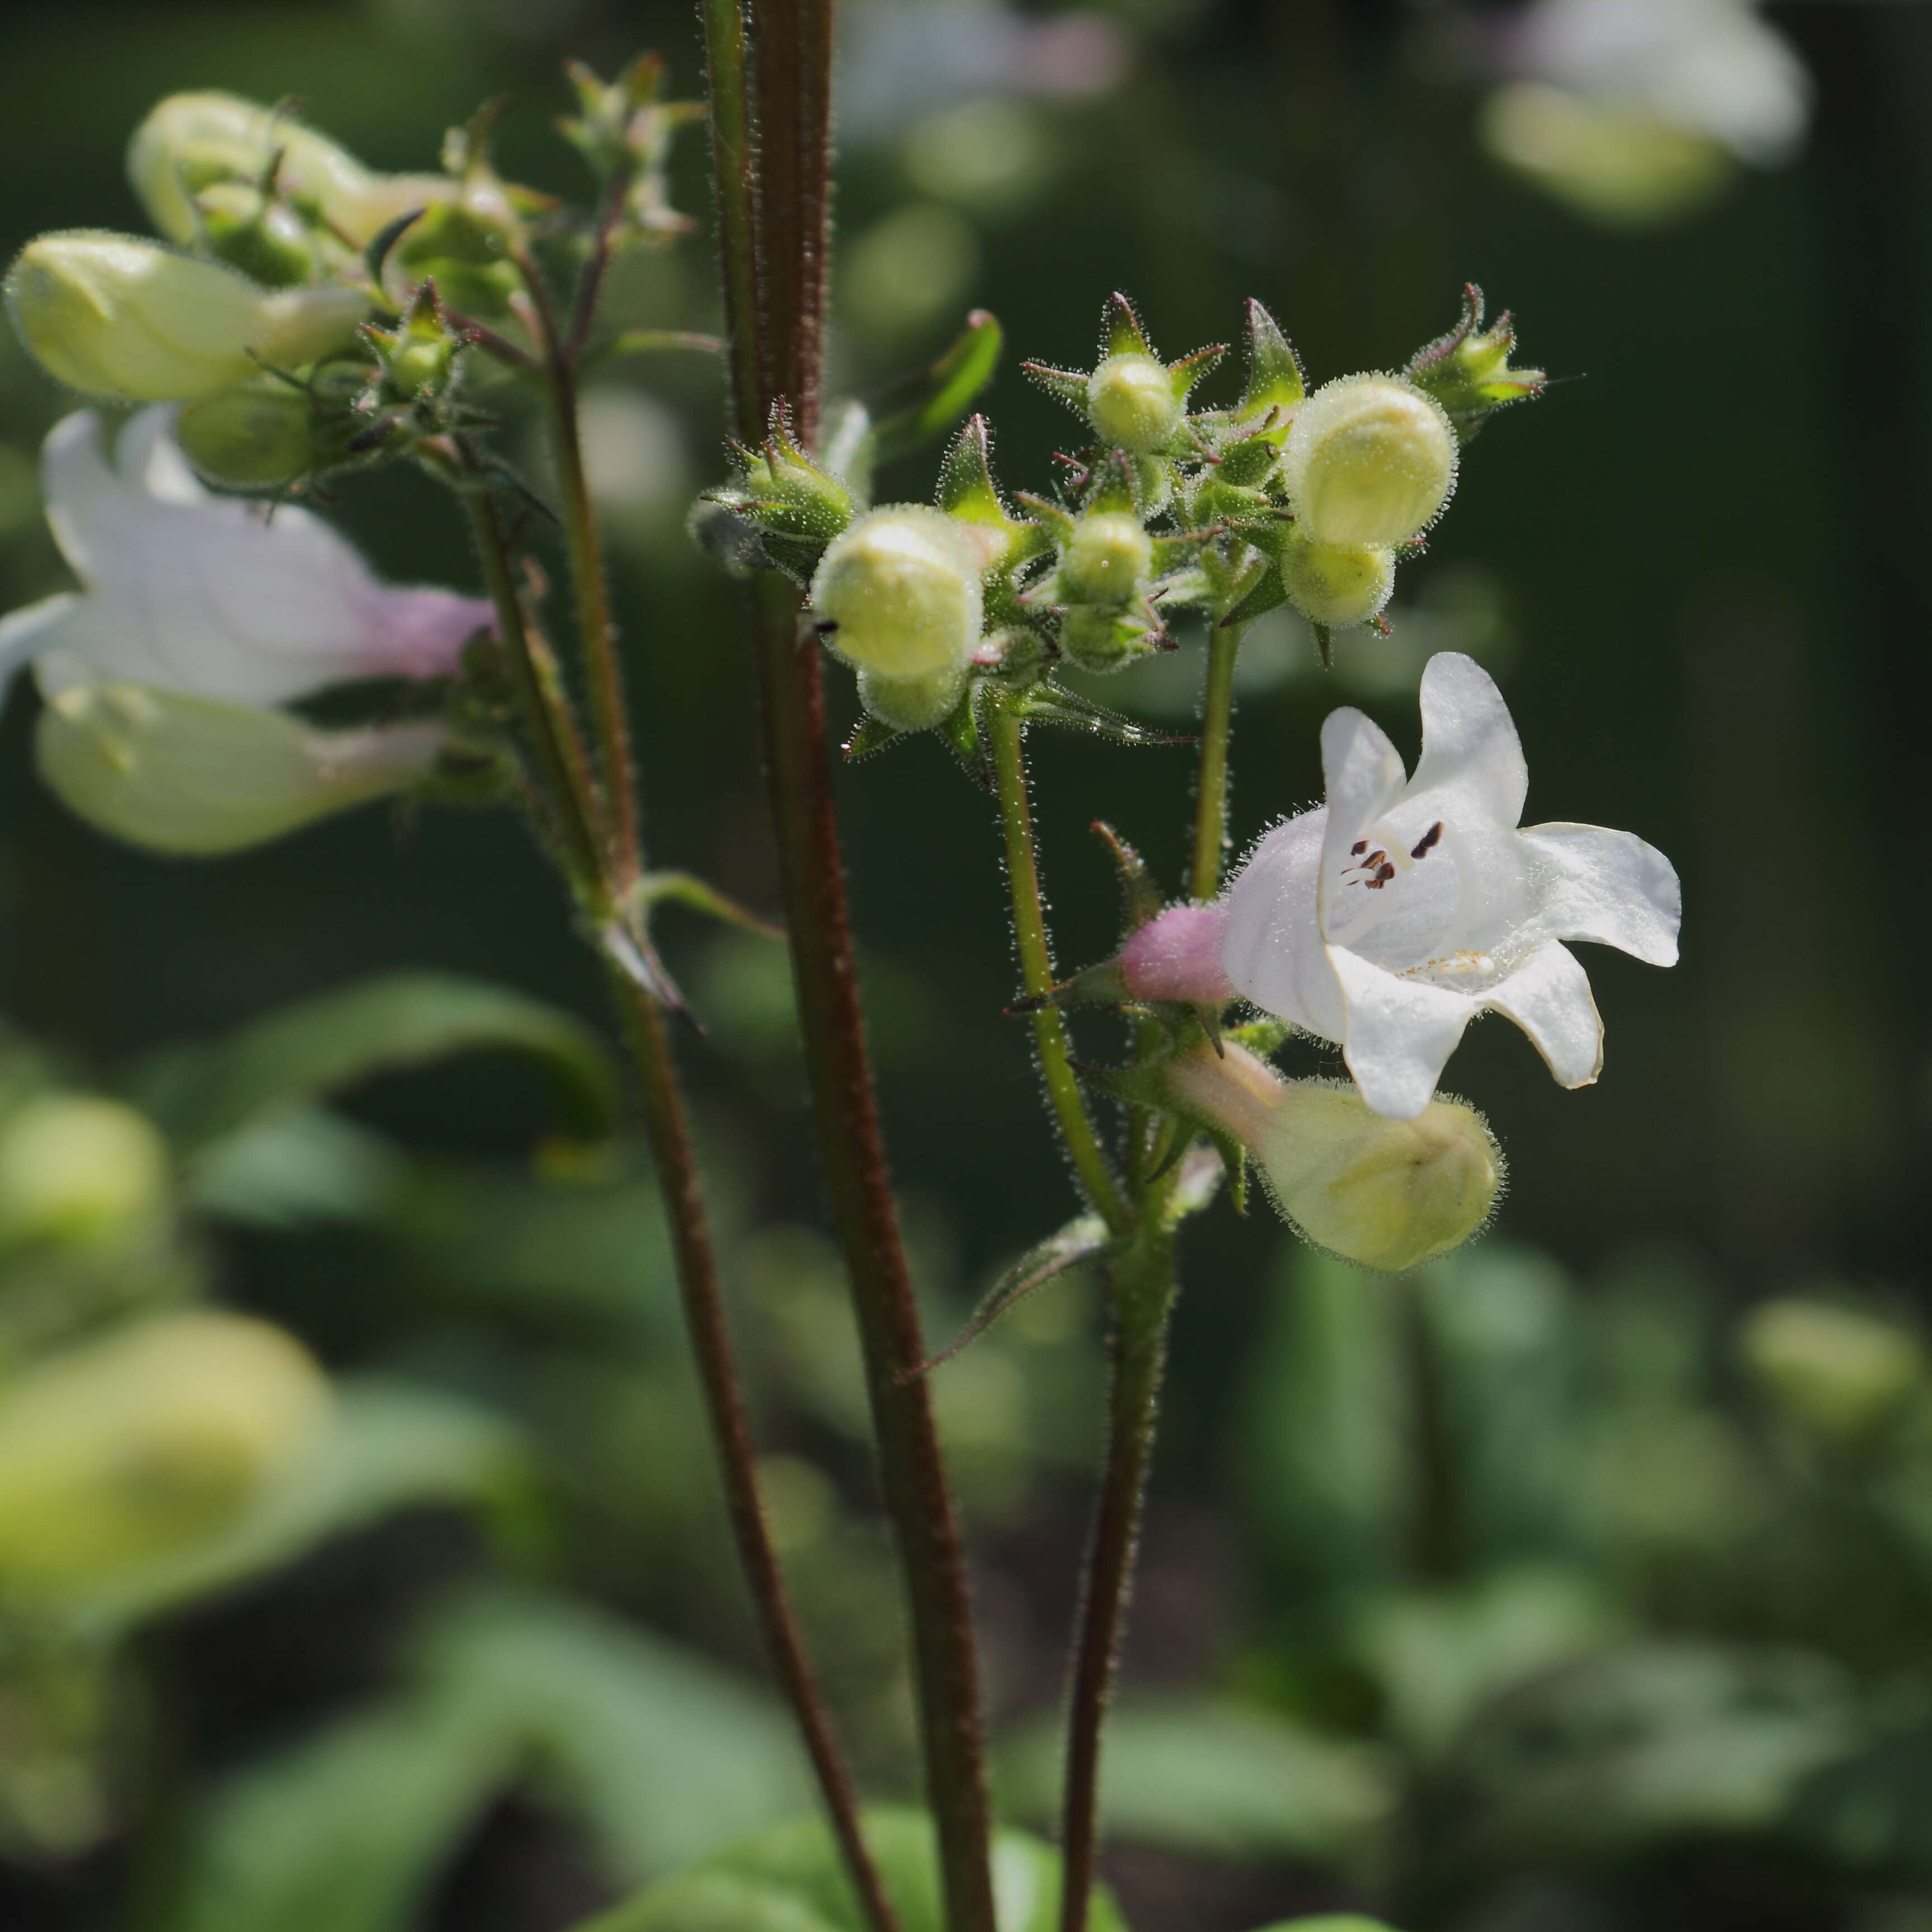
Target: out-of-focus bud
x,y
1101,638
79,1168
191,776
1468,371
796,505
1333,584
124,1450
1837,1371
1107,560
1388,1194
899,594
119,316
190,142
263,238
418,355
463,246
1369,460
1131,403
260,436
912,704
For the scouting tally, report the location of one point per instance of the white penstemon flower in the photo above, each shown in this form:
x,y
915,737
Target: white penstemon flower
x,y
1389,918
208,596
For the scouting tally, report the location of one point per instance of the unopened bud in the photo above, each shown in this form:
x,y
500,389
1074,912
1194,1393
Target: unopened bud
x,y
118,317
1386,1194
265,239
192,776
1369,460
190,142
123,1451
1837,1371
1099,638
1132,404
260,436
1107,559
899,593
1177,955
78,1169
912,704
1334,584
463,247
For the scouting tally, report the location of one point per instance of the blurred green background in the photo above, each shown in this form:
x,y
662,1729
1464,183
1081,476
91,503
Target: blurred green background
x,y
1582,1583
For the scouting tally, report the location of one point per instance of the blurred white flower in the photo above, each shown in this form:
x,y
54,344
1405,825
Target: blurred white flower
x,y
209,596
1638,111
1388,919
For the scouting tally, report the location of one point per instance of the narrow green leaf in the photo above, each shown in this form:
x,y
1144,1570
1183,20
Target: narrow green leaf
x,y
198,1093
912,412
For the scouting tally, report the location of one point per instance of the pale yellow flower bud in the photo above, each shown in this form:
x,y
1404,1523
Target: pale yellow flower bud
x,y
898,593
1107,559
116,316
1131,403
79,1168
1335,584
1369,460
1388,1194
912,704
125,1450
190,775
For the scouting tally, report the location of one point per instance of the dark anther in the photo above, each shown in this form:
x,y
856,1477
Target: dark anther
x,y
1361,846
826,628
1426,843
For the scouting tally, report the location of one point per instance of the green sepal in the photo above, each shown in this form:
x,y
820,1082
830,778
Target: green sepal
x,y
1121,333
1218,500
687,889
1141,897
1068,385
872,735
1265,594
1084,1239
959,731
1186,588
1264,1037
1097,986
1048,703
1190,370
1275,380
377,254
1115,490
912,412
1468,371
1248,461
1058,522
1325,644
966,491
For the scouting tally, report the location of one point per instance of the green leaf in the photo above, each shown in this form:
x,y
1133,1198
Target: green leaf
x,y
198,1093
1083,1239
660,1754
1216,1779
344,1831
790,1880
911,413
389,1446
1045,704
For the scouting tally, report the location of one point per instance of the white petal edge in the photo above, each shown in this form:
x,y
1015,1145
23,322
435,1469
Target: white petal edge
x,y
1364,775
33,628
1400,1034
1470,749
1609,887
1271,946
1549,997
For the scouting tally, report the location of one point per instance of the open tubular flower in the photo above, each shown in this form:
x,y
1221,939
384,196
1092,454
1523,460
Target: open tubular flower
x,y
1388,1194
208,596
899,595
116,316
1369,460
1388,919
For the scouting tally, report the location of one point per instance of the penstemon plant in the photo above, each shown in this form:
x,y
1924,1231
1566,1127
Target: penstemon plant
x,y
302,315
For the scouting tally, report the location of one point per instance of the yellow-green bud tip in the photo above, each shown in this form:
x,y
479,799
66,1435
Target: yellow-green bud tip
x,y
1131,403
1108,559
1836,1370
79,1168
1336,583
898,594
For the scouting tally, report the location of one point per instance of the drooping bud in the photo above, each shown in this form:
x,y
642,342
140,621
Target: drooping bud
x,y
1369,460
912,704
118,317
260,436
1838,1371
1177,955
899,593
1333,584
1386,1194
121,1450
190,142
1107,559
189,775
1131,403
78,1169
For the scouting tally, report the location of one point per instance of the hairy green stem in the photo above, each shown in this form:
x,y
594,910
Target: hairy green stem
x,y
773,205
585,862
1143,1289
1006,730
1217,723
